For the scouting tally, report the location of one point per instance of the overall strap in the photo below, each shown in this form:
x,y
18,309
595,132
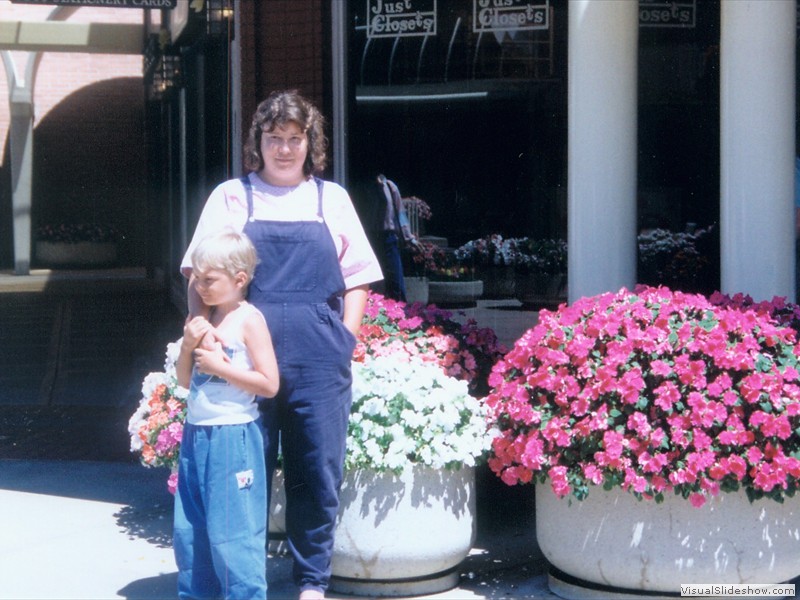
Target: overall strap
x,y
248,188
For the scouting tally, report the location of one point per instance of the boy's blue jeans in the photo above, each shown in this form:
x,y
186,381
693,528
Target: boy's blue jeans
x,y
220,531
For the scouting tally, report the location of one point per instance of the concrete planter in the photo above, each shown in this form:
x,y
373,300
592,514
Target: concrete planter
x,y
416,290
455,293
79,254
498,281
541,289
613,543
403,535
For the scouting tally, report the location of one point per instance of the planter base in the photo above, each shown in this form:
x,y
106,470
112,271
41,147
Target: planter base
x,y
403,534
612,540
376,588
454,293
78,254
567,587
570,588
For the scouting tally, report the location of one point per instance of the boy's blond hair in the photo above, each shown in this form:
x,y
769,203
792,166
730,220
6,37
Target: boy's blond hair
x,y
228,251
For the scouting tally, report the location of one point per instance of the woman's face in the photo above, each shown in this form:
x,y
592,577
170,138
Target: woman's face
x,y
284,150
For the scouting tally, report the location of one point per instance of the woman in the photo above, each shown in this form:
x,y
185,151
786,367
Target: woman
x,y
315,267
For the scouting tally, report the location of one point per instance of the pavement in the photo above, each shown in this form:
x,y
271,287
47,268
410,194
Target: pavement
x,y
93,523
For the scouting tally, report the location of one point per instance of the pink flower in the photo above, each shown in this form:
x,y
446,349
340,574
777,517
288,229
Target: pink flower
x,y
697,500
654,390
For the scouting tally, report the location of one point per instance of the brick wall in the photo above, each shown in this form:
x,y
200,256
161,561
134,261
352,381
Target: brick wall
x,y
88,136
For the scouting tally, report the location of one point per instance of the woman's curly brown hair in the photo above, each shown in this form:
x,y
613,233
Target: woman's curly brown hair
x,y
279,109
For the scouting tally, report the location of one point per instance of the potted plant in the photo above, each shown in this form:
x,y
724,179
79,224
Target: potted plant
x,y
493,258
673,259
541,271
76,244
415,436
462,349
631,412
156,427
450,282
416,282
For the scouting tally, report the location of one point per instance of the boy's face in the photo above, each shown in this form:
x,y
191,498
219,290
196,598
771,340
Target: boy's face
x,y
218,287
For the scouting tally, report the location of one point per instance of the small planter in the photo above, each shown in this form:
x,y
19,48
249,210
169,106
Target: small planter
x,y
403,535
76,254
535,288
416,290
612,540
498,281
455,293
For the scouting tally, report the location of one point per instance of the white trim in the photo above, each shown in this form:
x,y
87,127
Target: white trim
x,y
339,69
424,97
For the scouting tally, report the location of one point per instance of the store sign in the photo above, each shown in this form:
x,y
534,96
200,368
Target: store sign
x,y
400,18
663,13
105,3
504,15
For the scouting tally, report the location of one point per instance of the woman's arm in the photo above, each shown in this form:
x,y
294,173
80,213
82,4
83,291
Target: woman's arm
x,y
355,302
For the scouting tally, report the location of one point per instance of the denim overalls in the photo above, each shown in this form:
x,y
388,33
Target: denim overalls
x,y
298,285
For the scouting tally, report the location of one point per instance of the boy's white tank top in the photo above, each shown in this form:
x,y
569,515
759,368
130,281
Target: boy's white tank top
x,y
213,401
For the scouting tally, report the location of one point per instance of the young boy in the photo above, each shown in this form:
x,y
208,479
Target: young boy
x,y
221,501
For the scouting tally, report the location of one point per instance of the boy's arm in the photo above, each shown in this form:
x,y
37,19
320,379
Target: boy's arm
x,y
263,380
193,332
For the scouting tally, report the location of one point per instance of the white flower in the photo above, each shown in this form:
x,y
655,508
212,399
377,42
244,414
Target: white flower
x,y
406,410
151,382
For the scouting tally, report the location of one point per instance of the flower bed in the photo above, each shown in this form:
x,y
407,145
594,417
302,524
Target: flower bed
x,y
652,391
406,411
464,351
408,358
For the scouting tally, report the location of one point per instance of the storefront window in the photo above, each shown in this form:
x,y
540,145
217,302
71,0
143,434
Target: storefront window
x,y
462,103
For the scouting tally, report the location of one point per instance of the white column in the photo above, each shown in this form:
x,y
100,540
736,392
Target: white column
x,y
757,138
21,146
602,104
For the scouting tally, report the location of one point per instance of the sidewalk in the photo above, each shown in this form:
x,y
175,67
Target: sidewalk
x,y
93,530
86,529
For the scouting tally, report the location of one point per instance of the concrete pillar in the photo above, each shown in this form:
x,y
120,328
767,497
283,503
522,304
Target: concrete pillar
x,y
757,139
21,147
602,104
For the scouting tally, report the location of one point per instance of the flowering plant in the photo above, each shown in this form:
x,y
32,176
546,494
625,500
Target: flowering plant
x,y
543,257
491,250
156,426
419,207
437,263
414,335
462,350
77,232
650,391
674,259
407,411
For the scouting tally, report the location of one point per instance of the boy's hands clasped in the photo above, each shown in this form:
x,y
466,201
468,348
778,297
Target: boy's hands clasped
x,y
201,339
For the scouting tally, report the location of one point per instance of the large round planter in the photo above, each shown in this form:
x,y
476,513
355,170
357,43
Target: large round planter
x,y
455,293
541,289
613,543
63,254
403,535
277,515
416,290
